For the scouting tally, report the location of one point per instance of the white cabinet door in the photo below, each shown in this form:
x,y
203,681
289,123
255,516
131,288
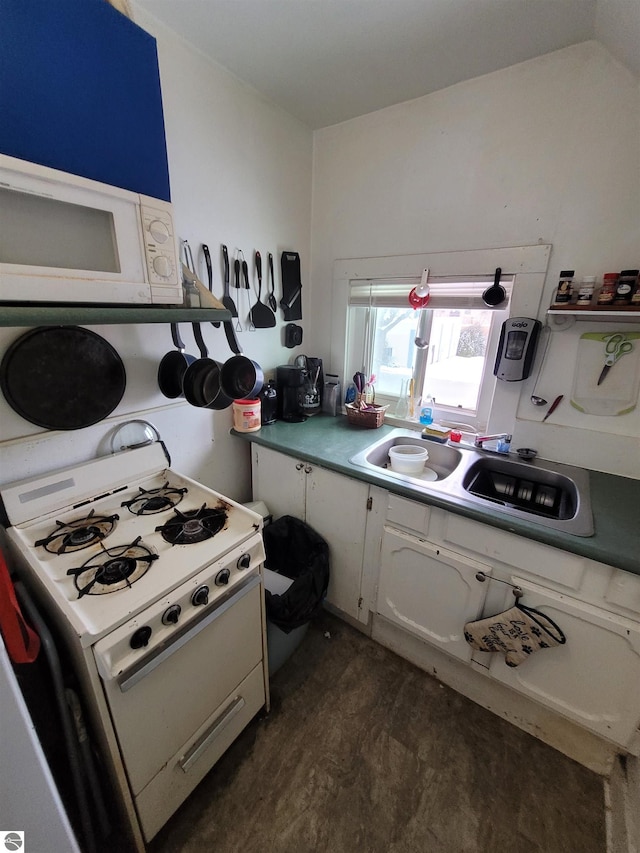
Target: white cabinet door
x,y
337,509
334,505
278,480
594,678
429,591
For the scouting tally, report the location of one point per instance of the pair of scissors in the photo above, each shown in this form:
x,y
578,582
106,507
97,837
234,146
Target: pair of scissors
x,y
616,346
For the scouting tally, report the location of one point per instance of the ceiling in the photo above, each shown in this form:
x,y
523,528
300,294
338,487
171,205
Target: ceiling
x,y
325,61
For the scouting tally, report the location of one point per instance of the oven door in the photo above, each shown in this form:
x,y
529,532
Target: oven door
x,y
179,708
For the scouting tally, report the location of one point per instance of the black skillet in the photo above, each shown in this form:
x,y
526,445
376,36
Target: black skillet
x,y
201,381
173,367
62,377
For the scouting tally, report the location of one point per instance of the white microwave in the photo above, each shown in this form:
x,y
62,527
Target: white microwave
x,y
68,239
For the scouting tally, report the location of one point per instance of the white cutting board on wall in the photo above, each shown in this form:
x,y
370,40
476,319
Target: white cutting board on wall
x,y
618,393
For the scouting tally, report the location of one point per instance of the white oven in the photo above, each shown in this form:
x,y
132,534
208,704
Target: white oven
x,y
155,584
68,239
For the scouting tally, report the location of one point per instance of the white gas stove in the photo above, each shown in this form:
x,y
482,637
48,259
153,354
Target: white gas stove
x,y
155,585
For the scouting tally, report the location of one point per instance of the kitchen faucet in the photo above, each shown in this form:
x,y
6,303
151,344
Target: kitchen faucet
x,y
503,439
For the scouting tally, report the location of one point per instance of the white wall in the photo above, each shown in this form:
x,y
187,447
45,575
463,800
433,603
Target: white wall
x,y
545,151
241,175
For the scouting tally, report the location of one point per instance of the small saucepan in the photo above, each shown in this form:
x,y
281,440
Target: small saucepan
x,y
201,381
240,377
173,367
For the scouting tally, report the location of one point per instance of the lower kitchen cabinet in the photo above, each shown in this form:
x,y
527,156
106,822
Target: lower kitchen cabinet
x,y
337,507
594,678
429,590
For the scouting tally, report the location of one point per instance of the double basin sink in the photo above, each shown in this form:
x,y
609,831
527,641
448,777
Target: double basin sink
x,y
546,493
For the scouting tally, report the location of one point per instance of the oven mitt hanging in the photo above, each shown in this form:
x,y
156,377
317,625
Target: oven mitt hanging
x,y
517,633
291,302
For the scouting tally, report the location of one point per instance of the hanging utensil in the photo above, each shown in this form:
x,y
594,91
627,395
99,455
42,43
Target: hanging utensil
x,y
247,287
535,398
553,406
173,367
236,284
615,347
261,315
207,260
496,294
227,301
272,293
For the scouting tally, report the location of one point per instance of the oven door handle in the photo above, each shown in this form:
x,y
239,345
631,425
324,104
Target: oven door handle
x,y
126,680
205,740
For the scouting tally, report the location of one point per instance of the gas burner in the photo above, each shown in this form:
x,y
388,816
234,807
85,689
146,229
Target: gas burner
x,y
150,501
79,533
195,525
113,569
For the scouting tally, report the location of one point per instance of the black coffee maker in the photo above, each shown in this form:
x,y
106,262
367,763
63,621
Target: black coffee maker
x,y
290,383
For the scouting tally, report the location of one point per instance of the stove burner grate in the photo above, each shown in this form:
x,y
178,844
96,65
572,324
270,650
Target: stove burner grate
x,y
113,569
150,501
195,525
79,533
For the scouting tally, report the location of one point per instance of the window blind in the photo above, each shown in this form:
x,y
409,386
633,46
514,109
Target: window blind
x,y
448,292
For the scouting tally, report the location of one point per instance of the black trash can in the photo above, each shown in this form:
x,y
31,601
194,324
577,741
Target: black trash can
x,y
296,581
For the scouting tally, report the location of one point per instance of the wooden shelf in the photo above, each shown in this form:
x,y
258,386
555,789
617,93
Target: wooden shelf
x,y
75,315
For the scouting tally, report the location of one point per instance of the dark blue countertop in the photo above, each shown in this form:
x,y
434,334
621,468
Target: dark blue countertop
x,y
615,501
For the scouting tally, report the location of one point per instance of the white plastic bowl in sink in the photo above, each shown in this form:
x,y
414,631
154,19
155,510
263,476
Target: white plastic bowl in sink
x,y
408,458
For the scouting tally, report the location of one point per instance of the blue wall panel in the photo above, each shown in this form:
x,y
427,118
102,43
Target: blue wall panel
x,y
80,91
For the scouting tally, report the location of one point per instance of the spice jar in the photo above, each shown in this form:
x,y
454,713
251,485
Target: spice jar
x,y
565,288
625,287
608,289
585,291
635,296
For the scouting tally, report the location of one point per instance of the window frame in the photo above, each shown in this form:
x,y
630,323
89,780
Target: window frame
x,y
526,265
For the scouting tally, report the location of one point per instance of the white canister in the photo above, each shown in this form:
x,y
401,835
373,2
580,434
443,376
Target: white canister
x,y
246,415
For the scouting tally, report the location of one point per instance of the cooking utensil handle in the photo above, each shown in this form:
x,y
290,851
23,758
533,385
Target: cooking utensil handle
x,y
245,273
197,334
207,260
188,256
258,257
232,340
273,281
175,336
136,673
225,258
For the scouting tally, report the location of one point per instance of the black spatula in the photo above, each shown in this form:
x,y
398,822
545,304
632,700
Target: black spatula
x,y
262,316
227,301
272,293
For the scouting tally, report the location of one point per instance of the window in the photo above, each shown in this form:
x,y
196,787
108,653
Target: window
x,y
448,349
374,328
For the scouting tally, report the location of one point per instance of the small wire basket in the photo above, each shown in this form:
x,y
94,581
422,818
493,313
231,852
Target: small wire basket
x,y
371,418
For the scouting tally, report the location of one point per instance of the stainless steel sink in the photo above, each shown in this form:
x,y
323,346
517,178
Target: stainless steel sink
x,y
442,459
547,493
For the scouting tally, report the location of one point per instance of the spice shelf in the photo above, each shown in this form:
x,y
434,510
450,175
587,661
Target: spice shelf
x,y
563,317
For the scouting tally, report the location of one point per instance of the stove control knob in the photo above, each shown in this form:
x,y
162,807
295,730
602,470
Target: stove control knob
x,y
140,638
222,578
200,596
244,562
171,615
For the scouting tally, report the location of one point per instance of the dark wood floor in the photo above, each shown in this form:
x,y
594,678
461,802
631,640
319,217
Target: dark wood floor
x,y
364,753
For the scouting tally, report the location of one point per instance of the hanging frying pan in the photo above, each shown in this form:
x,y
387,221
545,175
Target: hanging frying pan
x,y
201,383
62,377
241,377
173,367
